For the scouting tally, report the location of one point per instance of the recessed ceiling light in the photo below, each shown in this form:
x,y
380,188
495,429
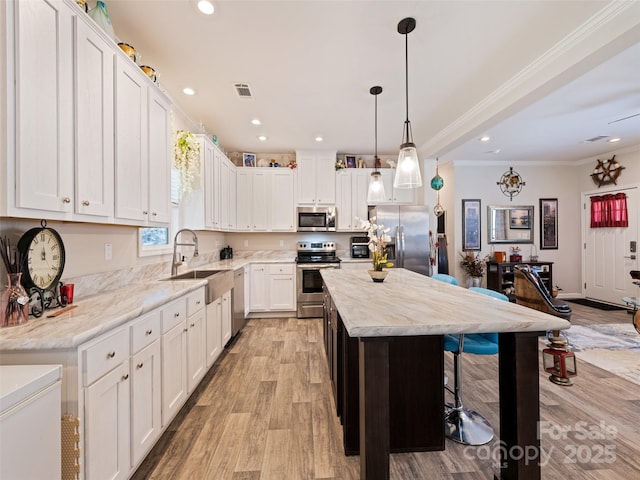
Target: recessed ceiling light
x,y
319,139
614,140
256,121
206,7
485,138
262,138
493,152
188,91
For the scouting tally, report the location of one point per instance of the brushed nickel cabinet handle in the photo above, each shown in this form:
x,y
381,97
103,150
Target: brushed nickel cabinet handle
x,y
177,314
124,377
145,212
193,325
85,203
111,354
148,332
66,200
140,365
185,329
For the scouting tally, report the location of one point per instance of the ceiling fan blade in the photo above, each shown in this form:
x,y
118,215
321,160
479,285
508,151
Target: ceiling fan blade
x,y
624,118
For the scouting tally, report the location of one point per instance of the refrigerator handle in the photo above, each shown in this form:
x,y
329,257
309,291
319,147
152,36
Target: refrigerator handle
x,y
401,245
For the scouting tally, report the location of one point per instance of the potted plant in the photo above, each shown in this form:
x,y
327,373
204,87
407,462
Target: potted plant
x,y
378,240
473,267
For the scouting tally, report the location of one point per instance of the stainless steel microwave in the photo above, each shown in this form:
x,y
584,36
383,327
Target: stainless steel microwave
x,y
317,219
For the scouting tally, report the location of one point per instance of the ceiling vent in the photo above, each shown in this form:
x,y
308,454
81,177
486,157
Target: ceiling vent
x,y
595,139
243,90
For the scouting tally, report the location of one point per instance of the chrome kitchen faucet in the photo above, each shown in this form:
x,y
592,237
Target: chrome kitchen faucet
x,y
177,260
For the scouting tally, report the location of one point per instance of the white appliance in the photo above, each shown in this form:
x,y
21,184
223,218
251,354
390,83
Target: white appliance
x,y
30,422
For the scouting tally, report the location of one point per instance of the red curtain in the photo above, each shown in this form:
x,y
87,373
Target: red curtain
x,y
609,211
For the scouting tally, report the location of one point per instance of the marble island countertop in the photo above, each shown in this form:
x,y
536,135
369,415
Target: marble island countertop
x,y
408,304
100,313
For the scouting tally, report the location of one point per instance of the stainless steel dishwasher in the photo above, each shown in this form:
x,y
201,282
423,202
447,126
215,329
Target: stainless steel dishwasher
x,y
237,299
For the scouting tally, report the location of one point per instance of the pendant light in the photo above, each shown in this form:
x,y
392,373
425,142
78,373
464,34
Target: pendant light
x,y
376,193
408,169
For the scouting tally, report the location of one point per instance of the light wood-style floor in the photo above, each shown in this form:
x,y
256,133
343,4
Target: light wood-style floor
x,y
265,411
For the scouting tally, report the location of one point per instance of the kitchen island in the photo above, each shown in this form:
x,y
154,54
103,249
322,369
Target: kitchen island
x,y
408,304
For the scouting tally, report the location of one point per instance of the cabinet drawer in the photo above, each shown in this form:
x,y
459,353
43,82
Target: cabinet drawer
x,y
145,331
281,269
195,301
173,314
105,355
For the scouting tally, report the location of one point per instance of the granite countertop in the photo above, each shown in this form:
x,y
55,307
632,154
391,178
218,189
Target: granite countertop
x,y
97,314
408,304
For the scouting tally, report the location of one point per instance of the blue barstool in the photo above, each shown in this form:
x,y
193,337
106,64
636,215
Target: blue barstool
x,y
463,425
443,277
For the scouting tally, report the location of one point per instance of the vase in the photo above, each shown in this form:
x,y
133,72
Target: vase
x,y
378,276
14,303
474,281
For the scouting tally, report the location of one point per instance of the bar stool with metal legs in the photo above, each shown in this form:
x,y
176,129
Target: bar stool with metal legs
x,y
464,425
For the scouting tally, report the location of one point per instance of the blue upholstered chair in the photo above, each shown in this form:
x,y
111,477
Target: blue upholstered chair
x,y
462,424
443,277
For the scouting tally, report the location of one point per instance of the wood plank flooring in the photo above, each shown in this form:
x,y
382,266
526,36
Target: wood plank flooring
x,y
266,411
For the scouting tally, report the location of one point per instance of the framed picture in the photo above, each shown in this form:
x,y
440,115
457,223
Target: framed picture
x,y
350,160
519,218
249,159
471,224
548,223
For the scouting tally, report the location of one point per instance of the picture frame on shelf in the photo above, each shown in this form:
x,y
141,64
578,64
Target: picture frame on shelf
x,y
249,159
471,222
548,223
519,219
350,161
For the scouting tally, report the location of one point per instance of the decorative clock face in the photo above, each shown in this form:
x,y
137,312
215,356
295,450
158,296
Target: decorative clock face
x,y
43,251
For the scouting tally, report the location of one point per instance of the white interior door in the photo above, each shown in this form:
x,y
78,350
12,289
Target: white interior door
x,y
610,254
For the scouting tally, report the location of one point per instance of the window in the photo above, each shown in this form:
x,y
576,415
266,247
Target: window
x,y
609,211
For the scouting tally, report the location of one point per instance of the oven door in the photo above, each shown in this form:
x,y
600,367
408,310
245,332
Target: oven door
x,y
309,281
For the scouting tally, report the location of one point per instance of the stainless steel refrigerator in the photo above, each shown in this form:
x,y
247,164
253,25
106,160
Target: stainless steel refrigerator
x,y
409,232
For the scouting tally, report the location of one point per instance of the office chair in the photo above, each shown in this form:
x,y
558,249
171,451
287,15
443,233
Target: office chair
x,y
464,425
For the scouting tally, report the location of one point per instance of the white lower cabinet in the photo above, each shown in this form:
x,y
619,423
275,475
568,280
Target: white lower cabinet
x,y
273,287
107,423
174,371
196,338
146,385
227,308
214,331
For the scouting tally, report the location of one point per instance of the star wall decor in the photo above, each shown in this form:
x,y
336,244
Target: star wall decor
x,y
511,183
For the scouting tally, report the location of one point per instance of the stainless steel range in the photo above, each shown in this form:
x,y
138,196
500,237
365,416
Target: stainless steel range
x,y
313,257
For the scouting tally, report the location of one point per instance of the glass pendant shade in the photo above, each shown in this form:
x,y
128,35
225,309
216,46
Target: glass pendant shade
x,y
408,168
376,193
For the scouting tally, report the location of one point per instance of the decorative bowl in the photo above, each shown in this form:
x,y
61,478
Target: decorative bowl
x,y
378,276
129,50
150,72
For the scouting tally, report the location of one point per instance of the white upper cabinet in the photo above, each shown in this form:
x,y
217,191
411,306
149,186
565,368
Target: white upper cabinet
x,y
352,186
396,195
316,177
43,70
94,186
266,199
159,158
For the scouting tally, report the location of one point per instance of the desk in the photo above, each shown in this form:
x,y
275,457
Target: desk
x,y
408,304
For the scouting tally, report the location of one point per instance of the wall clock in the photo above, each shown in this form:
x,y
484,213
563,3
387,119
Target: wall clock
x,y
44,255
607,172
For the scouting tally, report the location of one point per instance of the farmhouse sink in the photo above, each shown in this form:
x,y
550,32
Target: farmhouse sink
x,y
218,281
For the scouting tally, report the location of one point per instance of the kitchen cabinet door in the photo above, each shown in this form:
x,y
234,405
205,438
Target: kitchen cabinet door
x,y
282,200
174,371
396,195
227,313
244,197
107,426
94,181
44,128
159,208
223,194
146,393
260,204
233,195
259,298
196,337
316,177
131,131
213,331
359,191
282,294
344,201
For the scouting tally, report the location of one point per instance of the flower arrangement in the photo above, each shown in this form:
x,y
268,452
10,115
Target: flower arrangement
x,y
292,165
186,159
472,264
340,164
378,240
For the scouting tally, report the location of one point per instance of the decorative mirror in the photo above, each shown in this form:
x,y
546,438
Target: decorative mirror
x,y
510,224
